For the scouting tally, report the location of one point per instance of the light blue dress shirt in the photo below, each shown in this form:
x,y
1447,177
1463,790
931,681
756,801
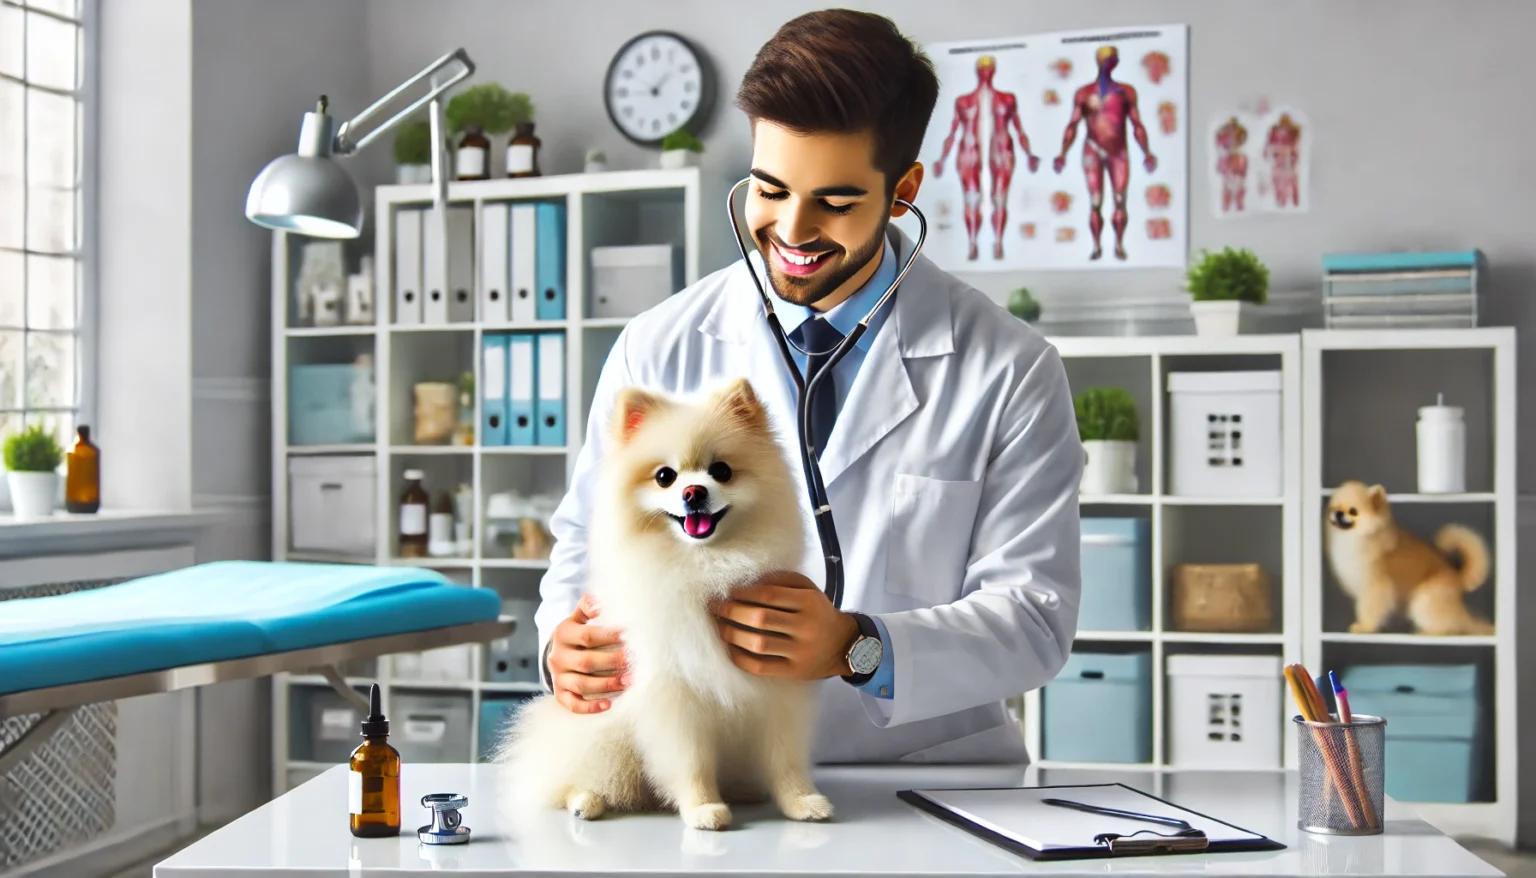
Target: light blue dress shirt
x,y
844,318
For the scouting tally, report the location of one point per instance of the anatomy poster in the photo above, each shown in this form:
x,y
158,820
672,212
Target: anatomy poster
x,y
1259,161
1059,151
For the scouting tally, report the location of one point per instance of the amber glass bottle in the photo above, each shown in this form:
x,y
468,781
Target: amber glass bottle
x,y
523,152
82,479
373,780
473,161
413,516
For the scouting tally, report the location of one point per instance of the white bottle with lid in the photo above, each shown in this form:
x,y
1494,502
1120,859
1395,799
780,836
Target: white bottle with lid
x,y
1442,438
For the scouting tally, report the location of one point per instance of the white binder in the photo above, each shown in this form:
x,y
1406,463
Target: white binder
x,y
525,246
494,274
434,268
407,279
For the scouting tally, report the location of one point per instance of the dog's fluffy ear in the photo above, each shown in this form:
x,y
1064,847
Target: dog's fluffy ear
x,y
1377,495
631,408
739,402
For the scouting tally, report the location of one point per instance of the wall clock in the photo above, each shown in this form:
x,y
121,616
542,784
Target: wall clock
x,y
657,83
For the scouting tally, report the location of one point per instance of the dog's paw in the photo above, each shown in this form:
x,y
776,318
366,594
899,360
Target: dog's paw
x,y
1358,628
710,815
585,805
809,807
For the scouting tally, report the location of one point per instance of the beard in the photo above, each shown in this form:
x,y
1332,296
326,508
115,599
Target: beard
x,y
841,265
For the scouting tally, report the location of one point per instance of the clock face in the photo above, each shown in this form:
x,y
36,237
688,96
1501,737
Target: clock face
x,y
657,84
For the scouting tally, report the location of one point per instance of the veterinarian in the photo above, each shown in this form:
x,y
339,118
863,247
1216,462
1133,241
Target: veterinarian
x,y
949,448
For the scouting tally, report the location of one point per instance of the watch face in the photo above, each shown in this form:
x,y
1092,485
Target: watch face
x,y
656,84
864,657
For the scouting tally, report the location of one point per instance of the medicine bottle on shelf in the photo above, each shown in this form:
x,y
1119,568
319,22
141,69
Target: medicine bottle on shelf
x,y
1442,441
523,152
473,159
373,778
413,516
82,479
440,541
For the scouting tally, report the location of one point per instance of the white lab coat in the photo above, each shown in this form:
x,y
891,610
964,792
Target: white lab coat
x,y
952,471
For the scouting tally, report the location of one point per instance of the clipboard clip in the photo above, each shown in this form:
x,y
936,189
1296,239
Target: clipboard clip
x,y
1183,841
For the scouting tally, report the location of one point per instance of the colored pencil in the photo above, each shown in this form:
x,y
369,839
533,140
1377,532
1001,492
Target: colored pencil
x,y
1356,763
1309,700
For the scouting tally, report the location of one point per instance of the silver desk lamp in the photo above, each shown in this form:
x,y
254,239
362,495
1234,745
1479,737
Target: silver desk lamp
x,y
309,193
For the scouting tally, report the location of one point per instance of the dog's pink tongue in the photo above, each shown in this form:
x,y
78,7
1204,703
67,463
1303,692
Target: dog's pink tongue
x,y
698,525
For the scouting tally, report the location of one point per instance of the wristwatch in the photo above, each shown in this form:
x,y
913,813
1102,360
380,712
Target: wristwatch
x,y
866,651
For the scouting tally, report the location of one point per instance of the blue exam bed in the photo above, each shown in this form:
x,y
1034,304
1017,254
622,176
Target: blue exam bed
x,y
222,621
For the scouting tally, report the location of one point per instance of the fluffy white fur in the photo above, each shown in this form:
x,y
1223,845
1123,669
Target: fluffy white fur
x,y
693,732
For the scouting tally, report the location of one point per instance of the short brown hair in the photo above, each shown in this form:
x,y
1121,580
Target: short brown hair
x,y
842,71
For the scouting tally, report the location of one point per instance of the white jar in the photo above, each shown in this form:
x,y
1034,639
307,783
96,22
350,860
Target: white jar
x,y
1442,438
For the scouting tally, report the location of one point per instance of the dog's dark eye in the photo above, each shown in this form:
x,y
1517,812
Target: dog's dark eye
x,y
1352,511
720,471
666,476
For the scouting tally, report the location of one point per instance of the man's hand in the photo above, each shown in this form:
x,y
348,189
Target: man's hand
x,y
785,626
586,659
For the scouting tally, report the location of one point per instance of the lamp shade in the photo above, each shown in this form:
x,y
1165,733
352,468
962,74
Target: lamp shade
x,y
311,195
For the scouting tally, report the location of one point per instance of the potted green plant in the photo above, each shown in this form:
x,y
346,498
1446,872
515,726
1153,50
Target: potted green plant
x,y
680,149
1225,290
413,152
1108,426
1023,305
480,110
32,458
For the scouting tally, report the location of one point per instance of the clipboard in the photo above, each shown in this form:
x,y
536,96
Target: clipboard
x,y
1020,820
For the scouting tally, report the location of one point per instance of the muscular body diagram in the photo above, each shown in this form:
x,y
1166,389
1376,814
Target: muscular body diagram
x,y
1104,107
1232,164
1283,153
1001,109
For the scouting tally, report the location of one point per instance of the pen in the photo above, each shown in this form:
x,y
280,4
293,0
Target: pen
x,y
1116,812
1340,696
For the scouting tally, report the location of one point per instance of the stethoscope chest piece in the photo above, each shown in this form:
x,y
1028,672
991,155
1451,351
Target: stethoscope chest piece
x,y
447,823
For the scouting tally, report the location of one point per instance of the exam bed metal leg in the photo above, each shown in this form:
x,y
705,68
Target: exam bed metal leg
x,y
333,676
11,756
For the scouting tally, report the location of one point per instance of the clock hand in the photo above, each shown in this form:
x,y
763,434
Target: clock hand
x,y
655,89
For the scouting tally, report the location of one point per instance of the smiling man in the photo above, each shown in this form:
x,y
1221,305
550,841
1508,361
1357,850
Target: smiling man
x,y
946,436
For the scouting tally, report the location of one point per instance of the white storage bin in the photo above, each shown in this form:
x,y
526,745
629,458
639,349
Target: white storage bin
x,y
1226,434
428,727
1225,711
629,280
331,504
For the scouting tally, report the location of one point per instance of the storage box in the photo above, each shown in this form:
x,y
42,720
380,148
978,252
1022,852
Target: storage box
x,y
1226,434
1225,711
1435,728
430,727
1116,575
1099,709
628,280
322,725
331,504
515,658
496,711
1234,598
331,403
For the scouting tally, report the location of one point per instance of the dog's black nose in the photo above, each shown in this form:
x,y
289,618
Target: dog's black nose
x,y
695,495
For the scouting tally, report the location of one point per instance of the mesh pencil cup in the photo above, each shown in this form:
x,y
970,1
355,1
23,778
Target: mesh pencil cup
x,y
1342,767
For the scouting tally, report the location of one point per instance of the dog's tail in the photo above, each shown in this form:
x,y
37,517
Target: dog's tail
x,y
1456,540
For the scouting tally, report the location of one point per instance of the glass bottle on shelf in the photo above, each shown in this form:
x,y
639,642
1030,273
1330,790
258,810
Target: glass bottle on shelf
x,y
413,516
473,159
82,480
440,542
523,152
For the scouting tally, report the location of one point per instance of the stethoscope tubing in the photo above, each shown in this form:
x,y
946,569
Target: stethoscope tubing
x,y
807,385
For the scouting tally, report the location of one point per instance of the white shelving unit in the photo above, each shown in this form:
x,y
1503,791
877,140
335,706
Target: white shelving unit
x,y
1141,364
1371,438
619,207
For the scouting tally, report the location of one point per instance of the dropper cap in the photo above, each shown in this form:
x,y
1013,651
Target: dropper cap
x,y
375,725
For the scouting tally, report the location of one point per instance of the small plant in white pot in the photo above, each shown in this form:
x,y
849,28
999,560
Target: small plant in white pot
x,y
680,149
1225,290
1108,426
413,152
32,459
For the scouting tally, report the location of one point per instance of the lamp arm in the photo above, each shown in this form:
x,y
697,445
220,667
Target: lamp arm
x,y
345,145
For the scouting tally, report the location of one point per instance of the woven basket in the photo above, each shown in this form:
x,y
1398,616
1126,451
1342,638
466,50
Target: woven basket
x,y
1221,598
64,791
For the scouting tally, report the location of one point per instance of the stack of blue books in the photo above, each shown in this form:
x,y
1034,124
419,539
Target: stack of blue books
x,y
1403,290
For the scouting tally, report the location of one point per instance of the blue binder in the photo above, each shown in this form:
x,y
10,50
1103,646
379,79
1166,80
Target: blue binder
x,y
551,388
550,268
493,390
522,378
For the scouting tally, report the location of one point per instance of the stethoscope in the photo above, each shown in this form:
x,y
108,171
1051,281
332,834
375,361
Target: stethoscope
x,y
807,385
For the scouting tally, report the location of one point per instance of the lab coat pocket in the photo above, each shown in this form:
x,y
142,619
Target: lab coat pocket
x,y
930,536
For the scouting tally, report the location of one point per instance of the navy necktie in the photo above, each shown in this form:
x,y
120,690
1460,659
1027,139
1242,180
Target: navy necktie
x,y
820,338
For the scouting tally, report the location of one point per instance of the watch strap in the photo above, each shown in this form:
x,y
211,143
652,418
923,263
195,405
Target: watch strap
x,y
866,629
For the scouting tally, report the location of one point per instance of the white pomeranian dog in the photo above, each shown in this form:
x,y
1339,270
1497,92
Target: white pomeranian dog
x,y
694,498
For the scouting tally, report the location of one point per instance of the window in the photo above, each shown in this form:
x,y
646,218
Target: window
x,y
44,199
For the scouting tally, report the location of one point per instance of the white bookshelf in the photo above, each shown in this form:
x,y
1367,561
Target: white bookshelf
x,y
1361,426
1268,527
618,207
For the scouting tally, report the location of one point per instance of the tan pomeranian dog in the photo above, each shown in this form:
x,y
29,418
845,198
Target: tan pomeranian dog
x,y
1388,570
694,498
